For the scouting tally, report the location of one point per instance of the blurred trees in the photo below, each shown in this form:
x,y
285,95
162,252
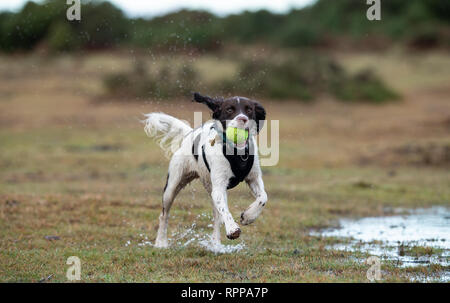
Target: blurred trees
x,y
24,30
177,31
419,23
102,25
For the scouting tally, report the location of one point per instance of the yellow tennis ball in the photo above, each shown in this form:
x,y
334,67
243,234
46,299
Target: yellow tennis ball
x,y
237,135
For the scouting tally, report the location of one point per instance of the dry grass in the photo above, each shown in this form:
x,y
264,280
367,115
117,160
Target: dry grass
x,y
86,172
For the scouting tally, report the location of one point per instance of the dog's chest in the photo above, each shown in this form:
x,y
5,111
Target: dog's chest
x,y
240,164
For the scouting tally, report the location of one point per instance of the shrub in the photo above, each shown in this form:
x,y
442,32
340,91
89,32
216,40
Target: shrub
x,y
297,77
61,37
141,84
118,85
303,78
364,86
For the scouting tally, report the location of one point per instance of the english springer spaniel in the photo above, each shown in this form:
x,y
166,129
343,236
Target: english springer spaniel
x,y
206,153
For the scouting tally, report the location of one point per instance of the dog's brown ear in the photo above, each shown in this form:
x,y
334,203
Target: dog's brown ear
x,y
260,114
213,104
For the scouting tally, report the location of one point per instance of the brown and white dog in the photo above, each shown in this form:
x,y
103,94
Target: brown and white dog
x,y
205,153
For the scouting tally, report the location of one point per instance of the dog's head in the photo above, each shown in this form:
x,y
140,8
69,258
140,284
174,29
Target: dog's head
x,y
239,112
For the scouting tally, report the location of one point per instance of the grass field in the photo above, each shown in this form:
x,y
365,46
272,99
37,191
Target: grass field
x,y
84,171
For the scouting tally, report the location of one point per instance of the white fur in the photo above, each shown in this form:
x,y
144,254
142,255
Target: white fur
x,y
177,137
168,130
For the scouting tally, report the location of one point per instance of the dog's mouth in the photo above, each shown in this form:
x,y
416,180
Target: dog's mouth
x,y
243,144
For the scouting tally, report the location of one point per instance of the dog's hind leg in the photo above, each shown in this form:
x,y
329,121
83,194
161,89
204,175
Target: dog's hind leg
x,y
177,179
167,200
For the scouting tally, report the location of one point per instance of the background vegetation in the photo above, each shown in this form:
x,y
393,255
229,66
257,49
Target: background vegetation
x,y
297,76
325,24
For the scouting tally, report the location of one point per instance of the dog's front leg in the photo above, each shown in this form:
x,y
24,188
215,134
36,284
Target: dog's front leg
x,y
256,184
219,197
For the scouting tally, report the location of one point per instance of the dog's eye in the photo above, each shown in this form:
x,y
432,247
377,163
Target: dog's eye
x,y
230,110
249,110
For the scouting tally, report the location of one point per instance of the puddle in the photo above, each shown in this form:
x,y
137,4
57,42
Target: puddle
x,y
421,237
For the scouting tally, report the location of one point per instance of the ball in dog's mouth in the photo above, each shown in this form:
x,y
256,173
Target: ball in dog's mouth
x,y
238,136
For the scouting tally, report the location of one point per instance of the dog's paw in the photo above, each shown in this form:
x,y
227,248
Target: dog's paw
x,y
235,234
251,213
246,219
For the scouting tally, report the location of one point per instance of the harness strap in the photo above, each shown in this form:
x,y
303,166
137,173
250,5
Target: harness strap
x,y
195,147
204,158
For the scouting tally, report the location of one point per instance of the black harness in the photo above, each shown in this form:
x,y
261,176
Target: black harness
x,y
240,162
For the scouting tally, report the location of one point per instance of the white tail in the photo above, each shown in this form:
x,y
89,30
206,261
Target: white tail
x,y
167,130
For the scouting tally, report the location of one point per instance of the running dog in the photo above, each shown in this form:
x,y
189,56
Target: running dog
x,y
207,154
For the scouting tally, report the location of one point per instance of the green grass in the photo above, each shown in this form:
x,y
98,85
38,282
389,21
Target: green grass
x,y
419,251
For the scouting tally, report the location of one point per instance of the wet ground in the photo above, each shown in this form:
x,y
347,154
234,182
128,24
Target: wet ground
x,y
419,237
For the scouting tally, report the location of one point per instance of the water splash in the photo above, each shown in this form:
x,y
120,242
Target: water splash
x,y
198,237
219,248
192,236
